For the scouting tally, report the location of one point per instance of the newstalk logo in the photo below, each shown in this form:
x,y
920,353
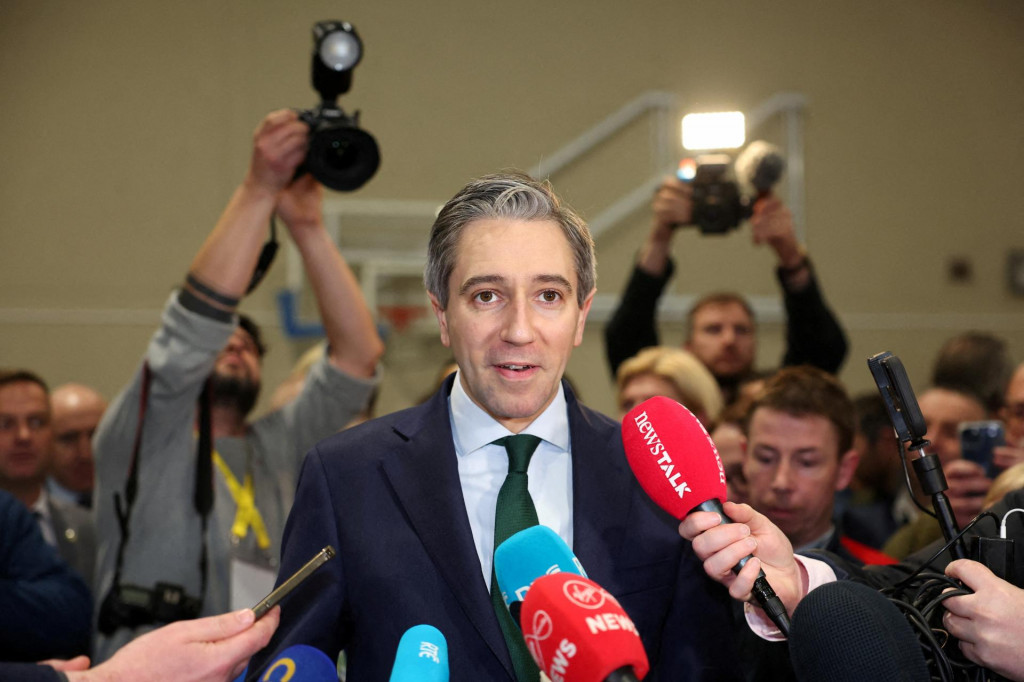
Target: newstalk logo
x,y
658,449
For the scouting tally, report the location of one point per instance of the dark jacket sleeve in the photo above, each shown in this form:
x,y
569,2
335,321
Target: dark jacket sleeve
x,y
632,325
47,608
813,334
29,672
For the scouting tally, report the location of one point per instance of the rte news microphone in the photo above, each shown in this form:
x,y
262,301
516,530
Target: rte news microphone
x,y
526,556
577,632
677,465
422,656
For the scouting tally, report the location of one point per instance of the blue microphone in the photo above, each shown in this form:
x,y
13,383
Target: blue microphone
x,y
298,663
526,556
422,656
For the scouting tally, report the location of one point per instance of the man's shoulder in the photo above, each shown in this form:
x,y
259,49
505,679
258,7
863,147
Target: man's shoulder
x,y
367,442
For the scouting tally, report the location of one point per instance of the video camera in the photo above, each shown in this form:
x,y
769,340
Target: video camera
x,y
718,203
130,606
341,155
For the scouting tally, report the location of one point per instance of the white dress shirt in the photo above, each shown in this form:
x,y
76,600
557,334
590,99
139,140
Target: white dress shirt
x,y
483,467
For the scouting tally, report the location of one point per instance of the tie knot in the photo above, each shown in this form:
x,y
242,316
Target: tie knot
x,y
520,449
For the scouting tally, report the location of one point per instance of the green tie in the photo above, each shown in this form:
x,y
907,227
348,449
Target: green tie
x,y
513,513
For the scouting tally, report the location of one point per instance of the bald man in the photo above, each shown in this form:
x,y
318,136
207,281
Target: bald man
x,y
76,411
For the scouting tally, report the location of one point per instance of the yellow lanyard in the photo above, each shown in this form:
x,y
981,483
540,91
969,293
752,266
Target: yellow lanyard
x,y
244,496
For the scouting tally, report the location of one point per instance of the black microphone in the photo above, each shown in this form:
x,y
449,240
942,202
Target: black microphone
x,y
761,165
848,632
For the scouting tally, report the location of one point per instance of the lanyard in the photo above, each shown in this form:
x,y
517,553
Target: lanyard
x,y
244,496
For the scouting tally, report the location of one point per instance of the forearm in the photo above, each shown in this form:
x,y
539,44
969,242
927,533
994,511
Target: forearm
x,y
632,325
226,261
354,345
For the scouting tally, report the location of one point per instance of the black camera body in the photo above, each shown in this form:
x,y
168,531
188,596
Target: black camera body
x,y
341,155
130,606
718,205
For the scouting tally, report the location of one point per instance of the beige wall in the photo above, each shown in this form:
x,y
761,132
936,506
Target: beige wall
x,y
126,125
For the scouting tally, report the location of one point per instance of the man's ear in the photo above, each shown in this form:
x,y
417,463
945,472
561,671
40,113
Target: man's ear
x,y
442,319
584,311
847,466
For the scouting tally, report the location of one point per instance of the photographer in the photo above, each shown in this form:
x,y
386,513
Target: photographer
x,y
720,329
166,550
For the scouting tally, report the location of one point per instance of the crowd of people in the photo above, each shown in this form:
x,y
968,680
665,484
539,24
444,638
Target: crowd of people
x,y
138,532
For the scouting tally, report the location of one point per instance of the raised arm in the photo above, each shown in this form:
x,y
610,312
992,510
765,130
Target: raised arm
x,y
224,265
813,334
353,343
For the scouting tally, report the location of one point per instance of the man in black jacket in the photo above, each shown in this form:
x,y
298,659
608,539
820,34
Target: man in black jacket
x,y
720,327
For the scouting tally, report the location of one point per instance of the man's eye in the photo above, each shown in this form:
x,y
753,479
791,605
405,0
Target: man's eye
x,y
550,296
485,296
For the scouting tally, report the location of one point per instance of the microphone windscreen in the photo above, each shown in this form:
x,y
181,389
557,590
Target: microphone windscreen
x,y
526,556
422,656
577,632
672,456
760,166
848,632
299,662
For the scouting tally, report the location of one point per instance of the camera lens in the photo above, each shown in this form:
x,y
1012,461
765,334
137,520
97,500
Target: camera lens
x,y
343,158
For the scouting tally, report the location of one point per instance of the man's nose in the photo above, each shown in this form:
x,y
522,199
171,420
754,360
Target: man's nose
x,y
518,325
783,478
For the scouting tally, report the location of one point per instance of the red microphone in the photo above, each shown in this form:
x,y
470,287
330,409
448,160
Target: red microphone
x,y
577,632
677,465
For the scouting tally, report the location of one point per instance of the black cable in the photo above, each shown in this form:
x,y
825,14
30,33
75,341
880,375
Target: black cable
x,y
900,585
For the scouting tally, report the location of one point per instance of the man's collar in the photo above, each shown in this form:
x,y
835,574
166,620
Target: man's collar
x,y
473,428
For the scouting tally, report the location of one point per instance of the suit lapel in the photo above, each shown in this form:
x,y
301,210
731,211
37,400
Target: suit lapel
x,y
601,486
424,474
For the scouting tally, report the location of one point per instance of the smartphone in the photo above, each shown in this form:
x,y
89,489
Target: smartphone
x,y
282,590
978,440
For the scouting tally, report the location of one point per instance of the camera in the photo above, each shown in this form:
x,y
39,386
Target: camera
x,y
341,155
718,203
130,606
718,206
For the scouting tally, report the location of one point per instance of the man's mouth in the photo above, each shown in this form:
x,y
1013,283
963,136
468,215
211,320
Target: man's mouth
x,y
515,367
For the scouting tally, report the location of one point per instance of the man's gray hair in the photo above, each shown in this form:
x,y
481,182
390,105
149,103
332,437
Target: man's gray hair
x,y
515,196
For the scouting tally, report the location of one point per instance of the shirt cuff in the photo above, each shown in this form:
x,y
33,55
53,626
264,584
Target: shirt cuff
x,y
818,573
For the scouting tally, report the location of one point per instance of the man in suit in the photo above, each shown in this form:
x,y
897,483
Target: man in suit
x,y
409,500
25,450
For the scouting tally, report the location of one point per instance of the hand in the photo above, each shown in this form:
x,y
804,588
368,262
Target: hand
x,y
279,146
673,204
967,487
772,224
76,663
721,546
300,206
1006,456
988,622
214,649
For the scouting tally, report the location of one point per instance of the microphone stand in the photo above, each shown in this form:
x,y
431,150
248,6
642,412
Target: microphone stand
x,y
928,469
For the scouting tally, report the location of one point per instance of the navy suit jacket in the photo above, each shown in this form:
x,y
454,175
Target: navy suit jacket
x,y
386,495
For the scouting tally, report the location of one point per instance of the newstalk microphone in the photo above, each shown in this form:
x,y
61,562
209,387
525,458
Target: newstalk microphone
x,y
677,465
577,632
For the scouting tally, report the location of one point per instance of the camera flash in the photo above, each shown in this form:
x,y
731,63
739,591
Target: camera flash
x,y
340,51
724,130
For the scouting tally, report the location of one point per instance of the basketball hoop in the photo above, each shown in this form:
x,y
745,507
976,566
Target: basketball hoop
x,y
401,316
